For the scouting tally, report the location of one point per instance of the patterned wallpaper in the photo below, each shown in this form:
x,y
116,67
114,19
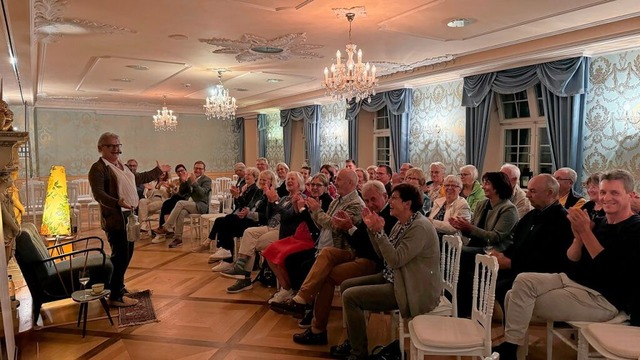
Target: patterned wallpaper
x,y
611,141
438,126
275,147
334,134
69,138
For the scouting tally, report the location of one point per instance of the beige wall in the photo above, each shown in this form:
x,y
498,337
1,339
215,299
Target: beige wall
x,y
250,141
297,145
365,139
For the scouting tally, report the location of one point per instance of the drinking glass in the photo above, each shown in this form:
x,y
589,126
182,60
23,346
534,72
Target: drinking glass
x,y
83,278
488,249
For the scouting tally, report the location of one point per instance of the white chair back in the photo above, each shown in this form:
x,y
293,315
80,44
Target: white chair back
x,y
33,196
72,193
450,268
225,184
84,190
484,293
234,178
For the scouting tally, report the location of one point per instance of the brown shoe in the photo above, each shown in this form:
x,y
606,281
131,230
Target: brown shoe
x,y
124,302
161,231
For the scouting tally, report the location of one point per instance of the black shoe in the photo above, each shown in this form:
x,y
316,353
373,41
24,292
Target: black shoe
x,y
305,322
341,351
507,351
309,338
290,307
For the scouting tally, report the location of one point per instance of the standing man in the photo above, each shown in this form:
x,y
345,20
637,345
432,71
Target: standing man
x,y
114,187
383,174
132,164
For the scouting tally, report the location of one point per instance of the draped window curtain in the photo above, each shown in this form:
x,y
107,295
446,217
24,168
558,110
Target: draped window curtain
x,y
564,87
311,116
238,128
398,103
262,135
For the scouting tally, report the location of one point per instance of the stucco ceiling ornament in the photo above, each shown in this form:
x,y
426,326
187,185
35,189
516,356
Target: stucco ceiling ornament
x,y
252,47
389,67
50,25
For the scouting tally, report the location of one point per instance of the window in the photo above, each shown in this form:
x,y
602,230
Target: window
x,y
382,138
525,137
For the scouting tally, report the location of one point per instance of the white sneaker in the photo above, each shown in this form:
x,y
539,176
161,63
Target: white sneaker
x,y
221,254
223,266
281,296
158,239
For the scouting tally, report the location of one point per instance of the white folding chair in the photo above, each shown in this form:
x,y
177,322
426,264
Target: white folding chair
x,y
32,197
84,190
450,270
613,341
72,194
440,335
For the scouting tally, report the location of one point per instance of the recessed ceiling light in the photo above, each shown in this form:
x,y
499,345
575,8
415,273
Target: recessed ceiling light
x,y
267,49
178,37
215,70
461,22
114,89
271,81
241,89
124,80
137,67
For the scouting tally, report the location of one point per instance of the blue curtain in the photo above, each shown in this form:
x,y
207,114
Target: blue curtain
x,y
311,116
398,103
564,83
353,138
262,135
238,128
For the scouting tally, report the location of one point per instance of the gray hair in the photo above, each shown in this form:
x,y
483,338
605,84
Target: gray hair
x,y
440,165
271,175
253,171
105,136
284,165
453,178
299,177
572,173
551,183
513,170
364,173
239,166
622,175
374,185
262,159
474,171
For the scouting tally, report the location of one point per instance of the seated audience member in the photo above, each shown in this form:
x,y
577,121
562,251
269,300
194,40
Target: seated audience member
x,y
416,177
410,279
302,245
568,198
169,204
384,174
490,228
306,173
328,170
282,170
262,164
437,171
519,197
371,170
540,240
158,192
236,222
596,288
452,205
350,164
198,186
132,164
593,207
363,177
284,218
240,170
471,188
335,265
403,170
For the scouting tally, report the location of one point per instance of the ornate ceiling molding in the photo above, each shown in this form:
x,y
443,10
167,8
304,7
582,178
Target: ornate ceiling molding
x,y
388,67
285,47
359,11
50,25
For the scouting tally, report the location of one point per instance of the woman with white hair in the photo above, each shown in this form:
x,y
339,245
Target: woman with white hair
x,y
471,188
452,205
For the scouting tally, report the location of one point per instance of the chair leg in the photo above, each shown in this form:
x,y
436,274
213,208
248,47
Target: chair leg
x,y
549,340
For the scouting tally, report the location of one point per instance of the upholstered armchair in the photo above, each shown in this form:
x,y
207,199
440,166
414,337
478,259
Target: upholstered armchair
x,y
50,278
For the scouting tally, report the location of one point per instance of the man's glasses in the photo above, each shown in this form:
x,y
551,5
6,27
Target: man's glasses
x,y
111,146
198,168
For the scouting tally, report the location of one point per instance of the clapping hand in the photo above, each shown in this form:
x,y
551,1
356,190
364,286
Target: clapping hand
x,y
192,177
313,204
580,221
341,220
164,167
299,202
271,194
373,221
243,213
235,192
460,223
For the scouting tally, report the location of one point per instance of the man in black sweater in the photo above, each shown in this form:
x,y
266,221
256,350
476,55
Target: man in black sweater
x,y
602,281
540,240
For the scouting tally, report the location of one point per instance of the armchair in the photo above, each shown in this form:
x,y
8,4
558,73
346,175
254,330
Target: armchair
x,y
50,278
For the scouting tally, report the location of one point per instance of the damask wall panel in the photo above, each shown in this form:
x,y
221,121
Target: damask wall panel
x,y
275,146
69,138
334,134
438,126
612,140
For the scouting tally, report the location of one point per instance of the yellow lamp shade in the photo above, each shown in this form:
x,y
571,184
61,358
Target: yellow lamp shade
x,y
56,219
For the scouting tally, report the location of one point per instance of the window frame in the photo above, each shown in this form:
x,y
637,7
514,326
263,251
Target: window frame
x,y
379,133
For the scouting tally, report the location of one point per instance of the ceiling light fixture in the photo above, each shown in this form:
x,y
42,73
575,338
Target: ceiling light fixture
x,y
165,120
219,104
350,79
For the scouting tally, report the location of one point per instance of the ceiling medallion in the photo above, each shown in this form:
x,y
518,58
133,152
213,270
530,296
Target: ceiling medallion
x,y
350,79
50,25
389,67
219,105
165,120
252,47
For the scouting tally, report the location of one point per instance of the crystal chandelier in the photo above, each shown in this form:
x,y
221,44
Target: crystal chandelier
x,y
219,105
350,79
165,120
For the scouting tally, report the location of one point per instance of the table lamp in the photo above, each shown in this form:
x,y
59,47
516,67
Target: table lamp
x,y
56,218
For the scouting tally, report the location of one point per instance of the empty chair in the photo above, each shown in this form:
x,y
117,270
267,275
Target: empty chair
x,y
439,335
84,190
32,196
613,341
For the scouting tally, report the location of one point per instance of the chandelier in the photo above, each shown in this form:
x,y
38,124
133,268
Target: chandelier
x,y
165,120
350,79
219,105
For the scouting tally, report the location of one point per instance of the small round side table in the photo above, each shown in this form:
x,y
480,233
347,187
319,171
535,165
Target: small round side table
x,y
84,297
